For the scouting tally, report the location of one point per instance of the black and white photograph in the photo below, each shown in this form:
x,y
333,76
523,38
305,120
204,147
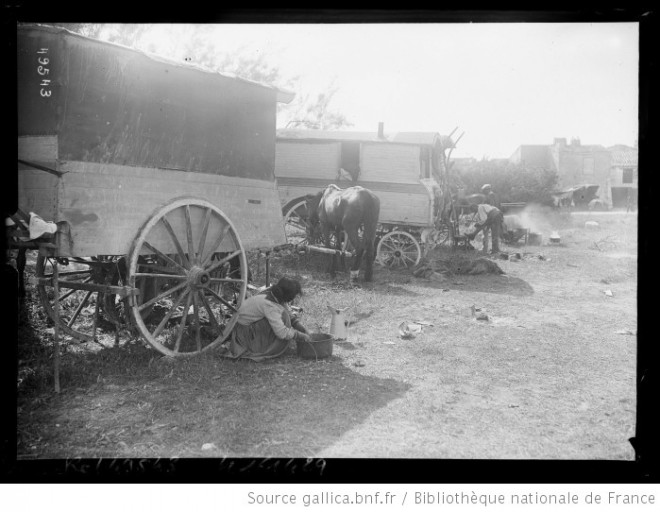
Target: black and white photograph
x,y
327,241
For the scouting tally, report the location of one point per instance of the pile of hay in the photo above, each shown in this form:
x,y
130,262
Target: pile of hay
x,y
455,264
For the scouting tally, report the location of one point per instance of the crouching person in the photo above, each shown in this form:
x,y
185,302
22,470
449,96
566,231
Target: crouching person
x,y
488,217
265,323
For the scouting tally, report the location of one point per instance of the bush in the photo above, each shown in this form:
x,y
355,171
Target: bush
x,y
511,182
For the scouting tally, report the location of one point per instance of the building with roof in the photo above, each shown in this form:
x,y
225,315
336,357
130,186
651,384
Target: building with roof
x,y
624,174
578,165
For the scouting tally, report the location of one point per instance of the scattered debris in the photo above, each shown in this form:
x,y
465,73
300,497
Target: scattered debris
x,y
423,322
408,331
604,244
609,293
541,257
572,265
605,281
555,238
591,224
209,446
359,364
477,314
388,343
625,332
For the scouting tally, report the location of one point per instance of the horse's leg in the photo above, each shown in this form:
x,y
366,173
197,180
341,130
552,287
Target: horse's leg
x,y
354,239
369,238
326,242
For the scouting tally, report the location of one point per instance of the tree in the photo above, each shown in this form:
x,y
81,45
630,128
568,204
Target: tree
x,y
316,114
513,183
195,44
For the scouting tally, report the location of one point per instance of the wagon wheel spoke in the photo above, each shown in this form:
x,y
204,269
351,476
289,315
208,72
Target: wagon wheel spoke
x,y
222,261
164,256
198,339
189,237
225,280
177,244
159,268
214,323
187,315
205,230
227,304
182,324
161,296
76,318
216,246
80,307
169,314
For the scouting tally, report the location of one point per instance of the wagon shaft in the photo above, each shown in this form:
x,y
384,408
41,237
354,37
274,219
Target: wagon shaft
x,y
120,291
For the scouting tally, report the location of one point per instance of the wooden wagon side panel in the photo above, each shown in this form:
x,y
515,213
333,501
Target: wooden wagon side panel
x,y
389,163
401,203
37,189
105,204
304,167
318,160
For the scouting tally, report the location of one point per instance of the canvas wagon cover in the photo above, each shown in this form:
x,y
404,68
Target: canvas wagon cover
x,y
111,104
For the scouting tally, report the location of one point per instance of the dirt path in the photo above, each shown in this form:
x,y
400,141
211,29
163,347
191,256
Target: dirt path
x,y
550,375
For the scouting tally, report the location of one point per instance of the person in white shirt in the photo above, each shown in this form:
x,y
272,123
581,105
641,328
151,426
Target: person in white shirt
x,y
265,323
488,217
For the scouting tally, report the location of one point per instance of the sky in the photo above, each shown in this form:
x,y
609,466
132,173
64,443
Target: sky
x,y
503,84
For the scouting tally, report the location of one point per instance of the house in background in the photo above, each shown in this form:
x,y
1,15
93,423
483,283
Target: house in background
x,y
610,168
624,175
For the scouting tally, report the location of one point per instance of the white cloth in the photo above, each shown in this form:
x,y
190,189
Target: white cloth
x,y
39,227
482,212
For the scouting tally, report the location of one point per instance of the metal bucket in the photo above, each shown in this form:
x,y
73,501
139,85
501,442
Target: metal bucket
x,y
319,348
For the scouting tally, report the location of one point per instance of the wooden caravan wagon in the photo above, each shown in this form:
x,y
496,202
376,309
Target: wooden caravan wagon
x,y
407,171
158,176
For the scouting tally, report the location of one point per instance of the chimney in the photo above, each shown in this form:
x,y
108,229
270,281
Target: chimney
x,y
560,141
381,133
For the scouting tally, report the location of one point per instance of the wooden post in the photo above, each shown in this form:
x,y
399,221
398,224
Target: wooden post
x,y
267,269
56,336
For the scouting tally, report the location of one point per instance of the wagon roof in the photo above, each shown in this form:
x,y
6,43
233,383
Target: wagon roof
x,y
282,96
417,138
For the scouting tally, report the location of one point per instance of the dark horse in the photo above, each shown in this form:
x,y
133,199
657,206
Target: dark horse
x,y
338,210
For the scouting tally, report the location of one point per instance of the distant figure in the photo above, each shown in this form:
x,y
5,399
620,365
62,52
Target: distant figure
x,y
491,218
492,199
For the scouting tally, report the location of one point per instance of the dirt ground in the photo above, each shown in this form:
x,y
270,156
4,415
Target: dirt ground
x,y
549,375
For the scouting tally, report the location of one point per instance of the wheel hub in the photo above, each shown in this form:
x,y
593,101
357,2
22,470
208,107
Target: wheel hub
x,y
198,277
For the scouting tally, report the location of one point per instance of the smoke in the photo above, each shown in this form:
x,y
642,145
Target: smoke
x,y
540,219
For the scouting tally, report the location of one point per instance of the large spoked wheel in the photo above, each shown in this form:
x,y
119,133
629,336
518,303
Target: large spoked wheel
x,y
398,249
296,226
181,258
77,308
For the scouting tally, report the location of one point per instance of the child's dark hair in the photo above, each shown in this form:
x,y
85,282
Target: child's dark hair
x,y
286,289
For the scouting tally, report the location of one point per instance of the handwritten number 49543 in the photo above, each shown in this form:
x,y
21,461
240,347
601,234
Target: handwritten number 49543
x,y
44,71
